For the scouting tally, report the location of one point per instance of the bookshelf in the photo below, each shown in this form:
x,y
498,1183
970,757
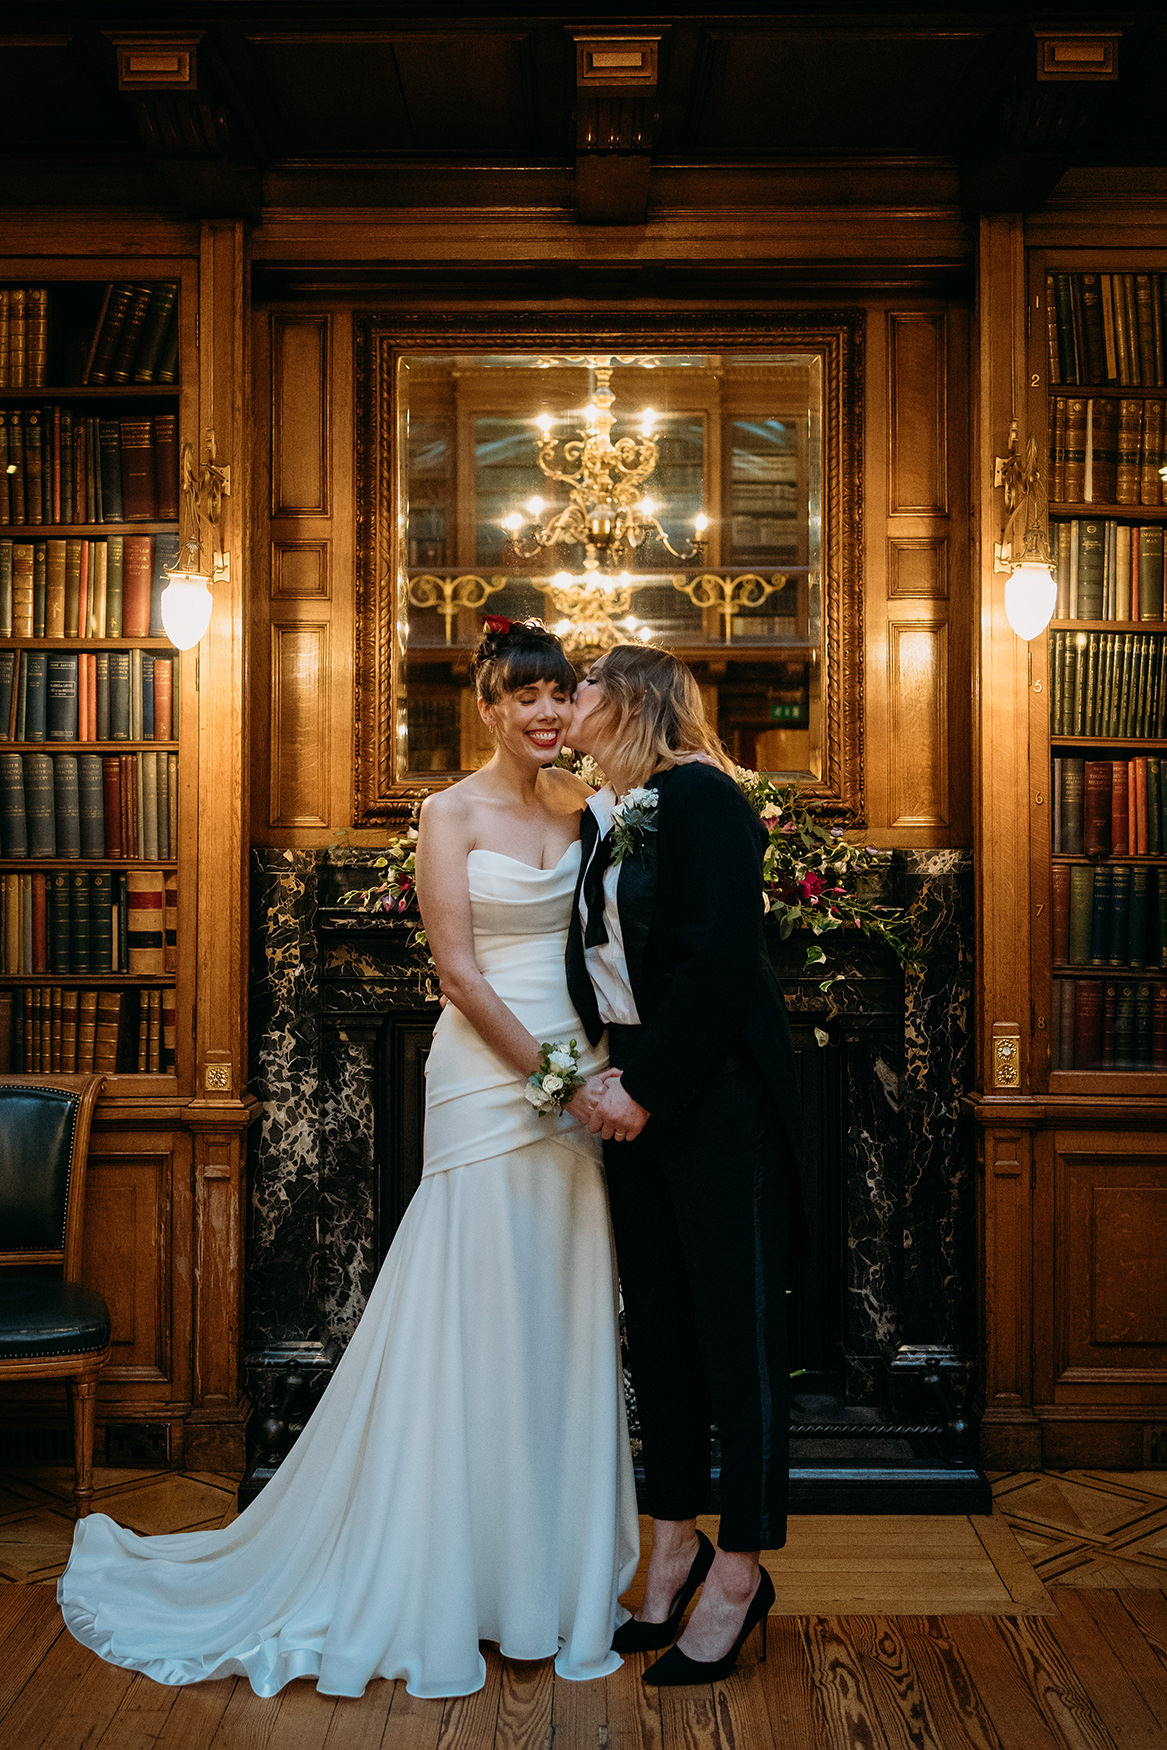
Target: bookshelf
x,y
92,811
1099,703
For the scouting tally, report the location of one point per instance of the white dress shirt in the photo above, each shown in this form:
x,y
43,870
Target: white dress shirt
x,y
607,964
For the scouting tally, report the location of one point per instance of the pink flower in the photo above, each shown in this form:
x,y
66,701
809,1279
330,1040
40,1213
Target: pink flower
x,y
810,885
788,827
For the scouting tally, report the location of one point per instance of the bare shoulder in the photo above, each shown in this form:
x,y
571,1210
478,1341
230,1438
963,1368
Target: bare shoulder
x,y
565,790
448,813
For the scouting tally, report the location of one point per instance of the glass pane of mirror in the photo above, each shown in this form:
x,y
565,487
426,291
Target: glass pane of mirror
x,y
672,497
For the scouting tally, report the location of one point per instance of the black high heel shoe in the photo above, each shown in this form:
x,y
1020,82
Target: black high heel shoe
x,y
648,1637
677,1667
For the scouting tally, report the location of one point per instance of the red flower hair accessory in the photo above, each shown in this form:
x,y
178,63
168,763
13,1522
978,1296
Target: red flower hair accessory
x,y
496,623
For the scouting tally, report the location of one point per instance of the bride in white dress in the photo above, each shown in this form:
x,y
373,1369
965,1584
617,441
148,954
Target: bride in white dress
x,y
466,1476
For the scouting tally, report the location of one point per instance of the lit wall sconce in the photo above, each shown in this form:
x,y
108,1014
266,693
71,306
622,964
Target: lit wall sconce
x,y
1031,592
186,600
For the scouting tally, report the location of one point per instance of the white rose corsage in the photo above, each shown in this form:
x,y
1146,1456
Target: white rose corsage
x,y
554,1084
633,817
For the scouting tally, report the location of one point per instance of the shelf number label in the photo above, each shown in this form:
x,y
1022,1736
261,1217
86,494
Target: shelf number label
x,y
1035,380
1038,800
1038,686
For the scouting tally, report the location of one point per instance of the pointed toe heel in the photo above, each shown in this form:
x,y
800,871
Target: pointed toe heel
x,y
650,1637
677,1667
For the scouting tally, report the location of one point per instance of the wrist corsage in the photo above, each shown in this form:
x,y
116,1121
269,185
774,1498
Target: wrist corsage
x,y
554,1084
633,817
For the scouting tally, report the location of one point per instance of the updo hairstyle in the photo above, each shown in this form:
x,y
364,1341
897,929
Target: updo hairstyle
x,y
521,655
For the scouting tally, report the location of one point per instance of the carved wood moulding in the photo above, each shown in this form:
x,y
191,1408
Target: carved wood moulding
x,y
384,792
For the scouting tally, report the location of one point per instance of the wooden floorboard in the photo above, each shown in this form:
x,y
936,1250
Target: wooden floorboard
x,y
1091,1674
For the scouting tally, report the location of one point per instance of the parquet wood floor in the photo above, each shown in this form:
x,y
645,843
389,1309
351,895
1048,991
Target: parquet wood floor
x,y
1041,1628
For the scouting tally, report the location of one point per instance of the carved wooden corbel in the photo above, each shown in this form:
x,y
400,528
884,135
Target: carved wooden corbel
x,y
616,98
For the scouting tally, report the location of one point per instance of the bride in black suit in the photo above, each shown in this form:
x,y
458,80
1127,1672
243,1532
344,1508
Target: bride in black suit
x,y
666,951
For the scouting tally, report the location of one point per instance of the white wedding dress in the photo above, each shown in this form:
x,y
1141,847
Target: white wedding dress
x,y
466,1475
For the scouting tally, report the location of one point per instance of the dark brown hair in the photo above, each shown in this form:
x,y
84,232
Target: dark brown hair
x,y
521,656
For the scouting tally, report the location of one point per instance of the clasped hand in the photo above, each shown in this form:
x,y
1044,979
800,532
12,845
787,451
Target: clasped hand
x,y
607,1110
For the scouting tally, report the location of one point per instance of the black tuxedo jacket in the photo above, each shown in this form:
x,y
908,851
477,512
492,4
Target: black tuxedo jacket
x,y
690,904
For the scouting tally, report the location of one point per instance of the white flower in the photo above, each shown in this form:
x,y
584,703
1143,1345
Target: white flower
x,y
537,1097
561,1060
639,798
552,1084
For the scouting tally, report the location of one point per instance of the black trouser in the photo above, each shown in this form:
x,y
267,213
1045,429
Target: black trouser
x,y
699,1214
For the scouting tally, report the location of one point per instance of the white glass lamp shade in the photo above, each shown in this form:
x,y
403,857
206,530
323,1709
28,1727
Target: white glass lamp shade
x,y
1031,595
186,608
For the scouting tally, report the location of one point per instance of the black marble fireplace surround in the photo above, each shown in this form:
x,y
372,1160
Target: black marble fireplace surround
x,y
882,1309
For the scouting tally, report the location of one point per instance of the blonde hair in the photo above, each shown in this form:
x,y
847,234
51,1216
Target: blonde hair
x,y
650,709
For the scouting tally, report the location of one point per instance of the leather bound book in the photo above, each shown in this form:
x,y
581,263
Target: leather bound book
x,y
1124,1029
1096,812
1091,556
1060,912
146,693
34,462
17,324
101,692
90,805
67,482
109,460
166,465
67,804
100,921
1075,471
1137,918
172,803
35,669
1154,805
40,957
1102,926
68,1032
1064,1037
1151,571
84,582
55,1030
5,493
121,369
148,769
139,491
39,805
1119,808
1081,912
1057,457
1109,1011
131,841
143,1052
138,561
1116,880
163,698
1145,328
7,680
36,333
1144,1006
61,714
1104,450
1067,362
1150,483
79,921
110,1006
87,1029
115,558
162,808
58,922
167,371
154,1031
55,588
145,892
1130,446
71,607
1159,1027
22,589
12,954
4,382
153,331
1088,996
99,330
111,794
1060,543
1094,346
16,464
6,627
171,917
1073,805
39,584
169,1029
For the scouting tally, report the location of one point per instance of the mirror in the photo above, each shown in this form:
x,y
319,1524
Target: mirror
x,y
699,490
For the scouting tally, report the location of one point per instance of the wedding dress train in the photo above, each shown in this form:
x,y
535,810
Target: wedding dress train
x,y
466,1475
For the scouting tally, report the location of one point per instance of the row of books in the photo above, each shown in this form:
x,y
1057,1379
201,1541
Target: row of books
x,y
58,465
1108,808
89,920
1108,684
89,805
1109,914
136,336
24,328
57,1030
1106,451
1108,570
1101,1024
101,695
1106,327
84,587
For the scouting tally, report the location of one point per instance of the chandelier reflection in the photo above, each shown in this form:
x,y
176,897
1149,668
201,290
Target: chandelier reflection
x,y
607,512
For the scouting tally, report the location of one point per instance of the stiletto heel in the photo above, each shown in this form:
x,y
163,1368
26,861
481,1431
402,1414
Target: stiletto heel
x,y
649,1637
677,1667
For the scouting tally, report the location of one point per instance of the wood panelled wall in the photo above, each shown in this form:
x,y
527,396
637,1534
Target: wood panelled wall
x,y
917,590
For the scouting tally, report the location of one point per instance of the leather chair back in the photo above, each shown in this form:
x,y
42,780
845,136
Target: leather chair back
x,y
36,1148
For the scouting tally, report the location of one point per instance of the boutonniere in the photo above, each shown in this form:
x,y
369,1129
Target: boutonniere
x,y
633,818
